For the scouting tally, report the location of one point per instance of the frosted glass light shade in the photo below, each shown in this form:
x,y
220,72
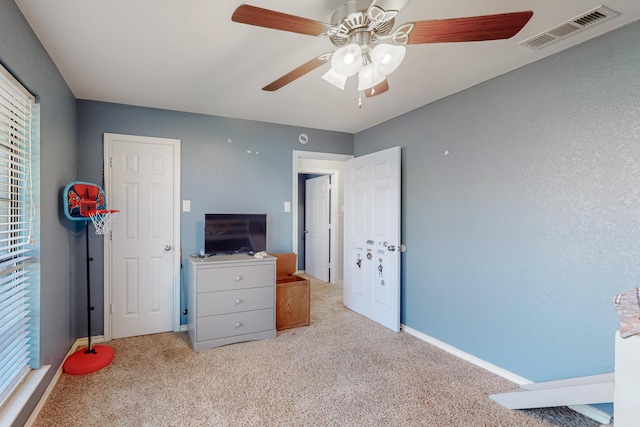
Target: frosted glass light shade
x,y
387,57
369,77
347,60
338,80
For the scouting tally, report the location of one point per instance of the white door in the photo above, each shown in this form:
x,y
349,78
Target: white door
x,y
316,223
372,237
143,183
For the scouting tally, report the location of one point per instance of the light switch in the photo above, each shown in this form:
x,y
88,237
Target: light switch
x,y
186,206
287,206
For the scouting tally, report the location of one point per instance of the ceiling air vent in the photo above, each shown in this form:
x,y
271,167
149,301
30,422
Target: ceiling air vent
x,y
573,26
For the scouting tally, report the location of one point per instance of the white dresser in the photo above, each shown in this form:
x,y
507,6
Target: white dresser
x,y
231,299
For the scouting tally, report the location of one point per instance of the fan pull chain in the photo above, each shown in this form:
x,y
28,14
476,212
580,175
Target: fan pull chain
x,y
360,99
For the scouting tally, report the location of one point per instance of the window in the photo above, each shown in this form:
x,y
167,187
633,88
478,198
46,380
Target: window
x,y
19,273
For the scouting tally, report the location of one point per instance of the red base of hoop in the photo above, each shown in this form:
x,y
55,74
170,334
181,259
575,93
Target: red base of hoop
x,y
80,363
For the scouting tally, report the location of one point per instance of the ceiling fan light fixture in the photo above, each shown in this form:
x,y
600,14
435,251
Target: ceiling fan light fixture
x,y
368,77
387,57
347,60
338,80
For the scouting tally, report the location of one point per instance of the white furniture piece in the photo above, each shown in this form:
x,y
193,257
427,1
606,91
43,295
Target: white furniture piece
x,y
568,392
231,299
626,402
621,387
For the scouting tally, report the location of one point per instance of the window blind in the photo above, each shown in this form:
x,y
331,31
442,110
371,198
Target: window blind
x,y
19,307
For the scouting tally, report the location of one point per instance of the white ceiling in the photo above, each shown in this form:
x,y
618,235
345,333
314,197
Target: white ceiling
x,y
188,55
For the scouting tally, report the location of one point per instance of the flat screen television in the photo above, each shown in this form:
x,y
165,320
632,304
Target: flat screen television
x,y
235,233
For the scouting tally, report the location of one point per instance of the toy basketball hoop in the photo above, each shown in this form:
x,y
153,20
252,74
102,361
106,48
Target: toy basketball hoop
x,y
84,201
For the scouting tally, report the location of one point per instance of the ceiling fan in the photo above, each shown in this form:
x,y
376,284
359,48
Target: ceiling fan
x,y
362,30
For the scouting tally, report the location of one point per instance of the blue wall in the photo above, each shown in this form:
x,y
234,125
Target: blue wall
x,y
519,236
23,55
253,173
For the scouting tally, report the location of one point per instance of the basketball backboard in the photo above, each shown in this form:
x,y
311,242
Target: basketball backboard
x,y
81,198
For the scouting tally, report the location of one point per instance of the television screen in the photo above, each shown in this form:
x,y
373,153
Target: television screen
x,y
234,233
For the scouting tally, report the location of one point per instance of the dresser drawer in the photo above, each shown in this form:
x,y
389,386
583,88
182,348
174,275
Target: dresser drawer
x,y
224,302
234,324
235,277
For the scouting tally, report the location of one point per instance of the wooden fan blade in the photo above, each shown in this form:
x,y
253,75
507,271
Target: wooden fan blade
x,y
252,15
476,28
381,87
298,72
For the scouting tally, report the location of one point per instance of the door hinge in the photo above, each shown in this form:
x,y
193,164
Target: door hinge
x,y
110,162
111,308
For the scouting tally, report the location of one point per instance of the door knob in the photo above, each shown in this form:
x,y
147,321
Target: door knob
x,y
167,248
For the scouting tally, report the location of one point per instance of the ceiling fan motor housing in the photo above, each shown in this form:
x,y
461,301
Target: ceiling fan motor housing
x,y
352,23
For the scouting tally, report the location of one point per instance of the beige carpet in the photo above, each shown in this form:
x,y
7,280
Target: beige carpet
x,y
342,370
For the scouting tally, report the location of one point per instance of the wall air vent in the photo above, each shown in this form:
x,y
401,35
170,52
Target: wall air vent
x,y
573,26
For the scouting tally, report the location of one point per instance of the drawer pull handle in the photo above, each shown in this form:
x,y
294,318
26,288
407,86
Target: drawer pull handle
x,y
237,325
238,301
238,278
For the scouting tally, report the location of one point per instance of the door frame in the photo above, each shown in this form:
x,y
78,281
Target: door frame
x,y
107,173
335,202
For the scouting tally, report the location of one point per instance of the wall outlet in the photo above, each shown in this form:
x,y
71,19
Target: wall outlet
x,y
287,206
186,206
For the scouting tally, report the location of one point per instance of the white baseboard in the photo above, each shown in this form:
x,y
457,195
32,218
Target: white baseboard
x,y
586,410
79,343
84,342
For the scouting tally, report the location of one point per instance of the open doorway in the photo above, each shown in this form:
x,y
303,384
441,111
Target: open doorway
x,y
306,164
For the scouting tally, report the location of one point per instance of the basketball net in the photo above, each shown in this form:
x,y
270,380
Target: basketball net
x,y
102,220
